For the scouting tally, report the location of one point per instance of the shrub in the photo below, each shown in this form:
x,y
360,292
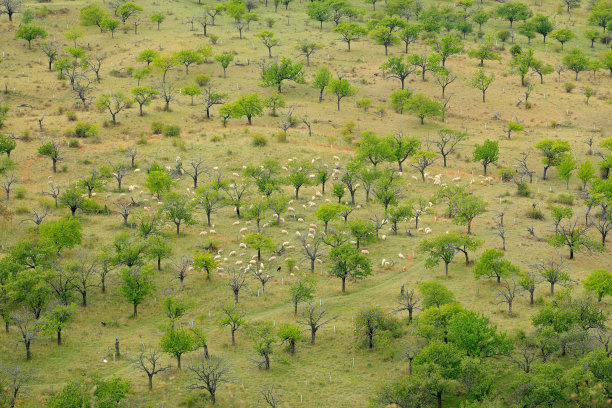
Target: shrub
x,y
569,87
142,141
259,140
74,143
213,38
535,214
22,209
505,174
71,115
85,129
503,35
172,131
281,137
180,144
523,190
291,264
91,206
566,199
202,79
515,50
157,127
21,192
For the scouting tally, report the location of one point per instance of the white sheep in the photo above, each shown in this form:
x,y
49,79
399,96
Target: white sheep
x,y
365,252
243,245
212,231
203,233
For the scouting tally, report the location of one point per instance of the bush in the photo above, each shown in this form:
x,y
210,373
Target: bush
x,y
535,214
202,79
569,87
172,131
503,35
157,127
180,144
566,199
142,141
523,190
85,129
505,174
22,209
91,206
281,137
515,50
71,115
74,143
259,140
213,38
21,192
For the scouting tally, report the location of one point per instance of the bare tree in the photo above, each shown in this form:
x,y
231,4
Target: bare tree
x,y
28,326
149,362
237,282
7,184
522,167
262,277
589,142
131,153
306,121
270,396
379,222
312,246
508,292
38,216
83,271
124,210
209,374
603,336
525,356
10,7
51,50
83,87
183,267
314,318
211,98
95,63
501,231
408,301
54,192
167,92
235,193
15,381
119,171
197,169
553,272
447,142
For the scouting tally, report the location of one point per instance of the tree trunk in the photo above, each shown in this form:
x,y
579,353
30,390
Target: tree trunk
x,y
54,165
59,337
552,288
313,333
178,361
295,305
344,283
233,338
135,309
84,296
150,381
27,346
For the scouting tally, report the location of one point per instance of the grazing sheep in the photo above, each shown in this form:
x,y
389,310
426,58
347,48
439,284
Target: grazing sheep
x,y
233,253
284,232
298,233
203,233
365,252
300,220
236,223
238,262
252,262
286,243
427,230
272,258
243,245
212,232
401,256
384,237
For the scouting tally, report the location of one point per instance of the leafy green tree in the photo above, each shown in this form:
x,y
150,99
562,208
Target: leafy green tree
x,y
435,294
127,10
423,107
62,233
542,69
277,72
205,262
143,95
423,159
552,151
326,212
259,242
129,250
487,153
250,105
468,208
384,31
187,58
522,63
30,32
563,35
485,52
307,48
164,63
137,284
302,290
480,17
397,67
209,200
491,264
319,11
72,198
576,61
401,147
158,182
565,168
178,341
290,333
341,88
400,99
75,394
363,231
321,80
599,282
92,14
110,24
513,12
114,102
299,176
268,40
148,55
158,248
543,26
574,237
232,316
409,34
372,322
158,18
473,333
57,318
53,151
482,81
109,393
448,45
586,173
347,262
350,32
441,248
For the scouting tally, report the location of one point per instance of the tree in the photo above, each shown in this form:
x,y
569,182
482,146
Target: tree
x,y
236,282
157,18
321,81
57,318
442,248
599,282
28,327
481,81
137,284
205,262
514,12
487,153
143,96
178,341
263,343
277,72
348,263
563,35
576,61
423,159
363,231
209,200
209,372
164,63
268,40
212,98
318,11
127,10
350,32
232,316
523,62
423,107
447,142
114,102
574,237
383,31
53,151
158,248
467,208
72,198
326,212
149,363
30,32
314,317
552,152
444,78
250,105
187,58
62,233
491,264
259,242
396,67
307,48
148,55
565,168
371,322
473,333
341,88
480,17
302,290
92,14
110,24
448,45
401,147
542,25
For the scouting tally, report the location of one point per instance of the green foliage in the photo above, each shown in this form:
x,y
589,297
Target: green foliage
x,y
423,107
137,284
435,294
487,153
347,262
493,265
277,72
290,333
62,233
599,282
158,182
372,323
472,332
341,88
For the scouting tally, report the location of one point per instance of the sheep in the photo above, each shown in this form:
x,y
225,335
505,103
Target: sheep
x,y
384,237
243,229
284,232
298,233
300,220
243,245
290,247
233,253
236,223
290,209
238,262
427,230
217,257
415,178
318,194
401,256
212,231
203,233
248,223
253,262
286,243
272,258
365,252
